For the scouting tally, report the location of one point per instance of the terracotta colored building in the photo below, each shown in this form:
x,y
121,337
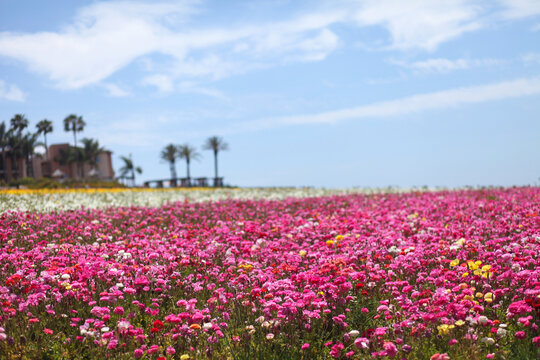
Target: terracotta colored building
x,y
52,168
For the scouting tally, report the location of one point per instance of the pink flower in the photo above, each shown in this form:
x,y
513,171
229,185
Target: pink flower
x,y
48,331
390,349
119,310
520,335
305,346
438,356
138,353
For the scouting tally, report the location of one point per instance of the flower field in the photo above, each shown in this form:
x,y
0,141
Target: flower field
x,y
416,275
70,199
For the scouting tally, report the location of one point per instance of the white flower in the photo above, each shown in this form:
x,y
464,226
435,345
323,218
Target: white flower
x,y
482,320
354,333
488,341
65,277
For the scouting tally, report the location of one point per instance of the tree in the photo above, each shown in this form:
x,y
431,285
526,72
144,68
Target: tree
x,y
75,124
129,168
19,122
188,153
3,144
44,127
28,144
216,144
91,150
169,154
67,156
14,142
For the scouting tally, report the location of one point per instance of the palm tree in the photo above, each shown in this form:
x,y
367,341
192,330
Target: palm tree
x,y
91,150
169,154
44,127
14,142
129,168
189,153
28,144
3,145
75,124
19,122
67,156
216,144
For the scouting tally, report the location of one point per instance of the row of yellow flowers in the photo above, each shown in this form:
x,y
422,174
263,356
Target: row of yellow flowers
x,y
93,190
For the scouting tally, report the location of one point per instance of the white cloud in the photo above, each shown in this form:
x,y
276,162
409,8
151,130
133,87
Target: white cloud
x,y
442,65
11,92
420,23
105,37
164,83
531,58
515,9
116,90
422,102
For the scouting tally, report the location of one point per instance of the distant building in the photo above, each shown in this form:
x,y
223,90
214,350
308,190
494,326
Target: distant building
x,y
52,168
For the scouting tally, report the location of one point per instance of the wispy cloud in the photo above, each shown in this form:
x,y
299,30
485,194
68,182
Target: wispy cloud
x,y
531,58
115,90
520,8
11,92
107,36
442,65
417,103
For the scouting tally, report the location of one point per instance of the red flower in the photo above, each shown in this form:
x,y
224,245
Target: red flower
x,y
158,324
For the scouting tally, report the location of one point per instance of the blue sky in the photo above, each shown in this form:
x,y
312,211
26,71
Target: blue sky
x,y
318,93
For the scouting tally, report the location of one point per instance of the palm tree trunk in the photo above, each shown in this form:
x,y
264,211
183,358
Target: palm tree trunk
x,y
46,147
173,171
187,163
215,164
4,165
14,167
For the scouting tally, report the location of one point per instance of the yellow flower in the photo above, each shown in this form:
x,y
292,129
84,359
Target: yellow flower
x,y
486,267
488,297
479,295
195,327
444,329
468,297
465,275
184,357
329,242
460,323
339,237
454,262
302,253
